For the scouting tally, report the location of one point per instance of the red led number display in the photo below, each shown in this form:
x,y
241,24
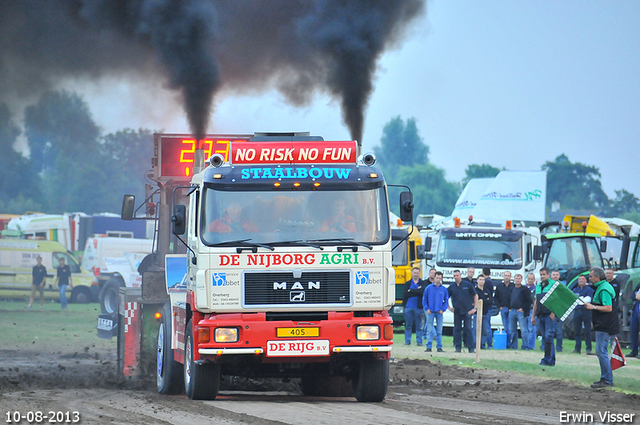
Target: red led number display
x,y
176,154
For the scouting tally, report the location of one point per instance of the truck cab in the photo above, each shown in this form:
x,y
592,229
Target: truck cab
x,y
406,255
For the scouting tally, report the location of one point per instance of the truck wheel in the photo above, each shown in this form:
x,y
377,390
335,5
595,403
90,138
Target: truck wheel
x,y
109,297
168,370
80,295
201,381
372,381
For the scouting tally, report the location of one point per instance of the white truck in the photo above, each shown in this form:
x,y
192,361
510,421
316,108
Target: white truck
x,y
288,266
460,244
114,263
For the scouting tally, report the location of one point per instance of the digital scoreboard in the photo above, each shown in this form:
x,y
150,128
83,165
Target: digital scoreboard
x,y
174,154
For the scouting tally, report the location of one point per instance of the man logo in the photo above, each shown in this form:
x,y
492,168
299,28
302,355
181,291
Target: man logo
x,y
296,296
362,278
219,279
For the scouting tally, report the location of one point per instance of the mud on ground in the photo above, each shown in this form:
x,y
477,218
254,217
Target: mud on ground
x,y
31,371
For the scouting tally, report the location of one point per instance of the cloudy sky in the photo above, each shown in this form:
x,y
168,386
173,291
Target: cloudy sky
x,y
508,83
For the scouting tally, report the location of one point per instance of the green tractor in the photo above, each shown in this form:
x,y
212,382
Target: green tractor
x,y
580,243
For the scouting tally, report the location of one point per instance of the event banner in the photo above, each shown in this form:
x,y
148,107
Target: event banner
x,y
470,196
513,195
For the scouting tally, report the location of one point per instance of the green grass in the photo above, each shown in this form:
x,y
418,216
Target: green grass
x,y
51,328
576,368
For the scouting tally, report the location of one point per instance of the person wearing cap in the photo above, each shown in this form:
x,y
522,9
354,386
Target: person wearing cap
x,y
605,323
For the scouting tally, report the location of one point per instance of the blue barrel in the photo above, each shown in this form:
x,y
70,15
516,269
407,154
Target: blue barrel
x,y
500,340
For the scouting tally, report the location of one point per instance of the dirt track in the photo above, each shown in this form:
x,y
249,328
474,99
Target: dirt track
x,y
420,392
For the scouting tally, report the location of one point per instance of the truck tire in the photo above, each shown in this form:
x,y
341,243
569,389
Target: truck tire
x,y
109,296
80,295
168,371
201,381
372,381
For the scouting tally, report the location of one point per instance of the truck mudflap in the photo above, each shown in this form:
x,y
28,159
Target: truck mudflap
x,y
342,333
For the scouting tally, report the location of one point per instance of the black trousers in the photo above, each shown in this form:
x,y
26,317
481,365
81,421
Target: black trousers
x,y
462,324
582,317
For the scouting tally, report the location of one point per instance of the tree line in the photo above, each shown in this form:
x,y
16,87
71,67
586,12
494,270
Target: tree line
x,y
404,158
71,166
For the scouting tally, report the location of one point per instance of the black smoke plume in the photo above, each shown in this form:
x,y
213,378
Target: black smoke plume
x,y
203,46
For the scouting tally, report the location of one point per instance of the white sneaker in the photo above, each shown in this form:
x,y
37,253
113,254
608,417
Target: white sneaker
x,y
28,306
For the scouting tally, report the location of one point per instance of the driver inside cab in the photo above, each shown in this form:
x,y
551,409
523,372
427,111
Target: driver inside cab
x,y
338,220
232,221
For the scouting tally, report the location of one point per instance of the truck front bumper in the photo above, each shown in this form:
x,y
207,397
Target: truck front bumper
x,y
290,341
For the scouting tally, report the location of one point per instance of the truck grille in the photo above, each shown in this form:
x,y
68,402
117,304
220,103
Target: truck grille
x,y
312,288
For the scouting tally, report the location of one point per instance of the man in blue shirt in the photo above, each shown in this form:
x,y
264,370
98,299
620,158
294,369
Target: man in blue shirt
x,y
412,302
435,301
582,316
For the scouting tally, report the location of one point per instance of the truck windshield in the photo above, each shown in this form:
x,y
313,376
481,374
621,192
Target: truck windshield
x,y
472,247
294,217
573,253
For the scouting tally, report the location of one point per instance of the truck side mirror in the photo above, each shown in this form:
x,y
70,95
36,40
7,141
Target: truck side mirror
x,y
537,253
128,206
178,220
603,245
420,252
427,243
406,206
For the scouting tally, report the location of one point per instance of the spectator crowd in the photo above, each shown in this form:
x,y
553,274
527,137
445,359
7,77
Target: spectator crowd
x,y
519,304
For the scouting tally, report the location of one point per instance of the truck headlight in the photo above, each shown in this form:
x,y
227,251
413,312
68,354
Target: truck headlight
x,y
225,335
398,310
368,333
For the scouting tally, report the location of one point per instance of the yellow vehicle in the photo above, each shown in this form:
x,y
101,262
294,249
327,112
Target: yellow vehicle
x,y
404,258
17,258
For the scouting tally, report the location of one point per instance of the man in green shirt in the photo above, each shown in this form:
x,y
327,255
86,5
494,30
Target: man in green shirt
x,y
605,323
